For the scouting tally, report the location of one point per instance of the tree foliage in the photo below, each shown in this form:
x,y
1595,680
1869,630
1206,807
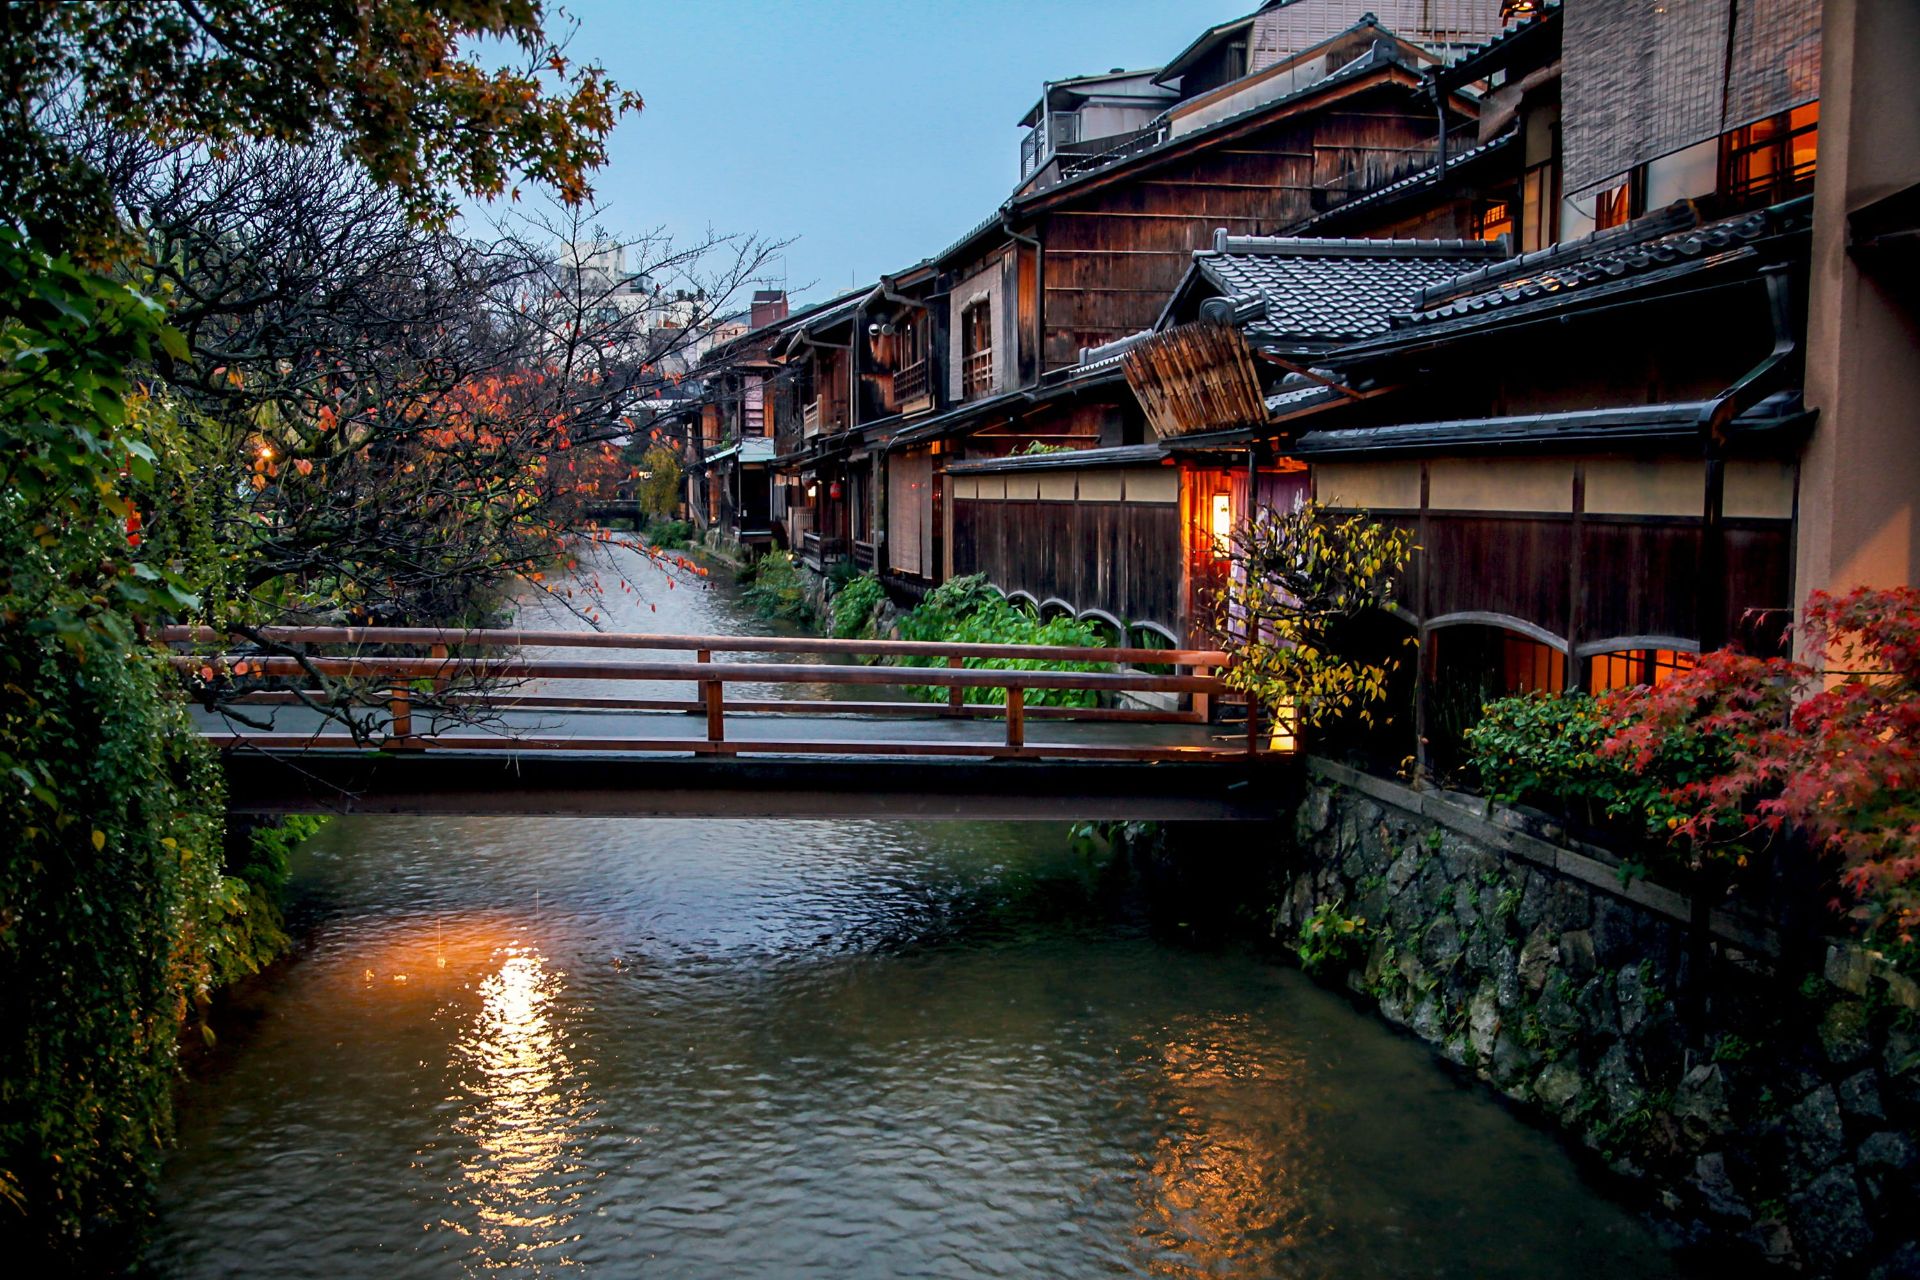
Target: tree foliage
x,y
658,490
393,85
1298,582
1826,748
113,899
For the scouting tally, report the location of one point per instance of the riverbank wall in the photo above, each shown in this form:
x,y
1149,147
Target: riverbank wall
x,y
1759,1109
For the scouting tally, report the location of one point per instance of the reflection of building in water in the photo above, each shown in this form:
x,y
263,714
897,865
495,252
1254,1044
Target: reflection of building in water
x,y
1224,1192
522,1111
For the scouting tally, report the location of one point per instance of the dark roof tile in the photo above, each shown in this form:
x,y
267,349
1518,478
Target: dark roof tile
x,y
1323,291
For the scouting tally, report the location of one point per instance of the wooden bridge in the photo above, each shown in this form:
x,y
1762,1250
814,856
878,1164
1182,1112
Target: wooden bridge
x,y
426,720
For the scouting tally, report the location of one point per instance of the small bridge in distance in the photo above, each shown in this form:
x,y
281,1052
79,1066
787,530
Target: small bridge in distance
x,y
438,721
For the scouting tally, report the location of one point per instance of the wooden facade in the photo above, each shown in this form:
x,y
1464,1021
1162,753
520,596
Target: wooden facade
x,y
1097,542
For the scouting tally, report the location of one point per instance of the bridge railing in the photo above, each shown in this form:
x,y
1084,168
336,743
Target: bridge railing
x,y
461,674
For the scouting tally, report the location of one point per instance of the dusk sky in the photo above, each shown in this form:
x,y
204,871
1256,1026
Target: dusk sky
x,y
873,133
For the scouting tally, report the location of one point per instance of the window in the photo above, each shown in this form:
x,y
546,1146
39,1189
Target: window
x,y
1493,219
1222,523
1540,205
1621,204
1528,666
976,349
1628,667
1771,160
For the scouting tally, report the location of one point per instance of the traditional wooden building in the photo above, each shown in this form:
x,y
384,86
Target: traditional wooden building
x,y
1034,307
1596,441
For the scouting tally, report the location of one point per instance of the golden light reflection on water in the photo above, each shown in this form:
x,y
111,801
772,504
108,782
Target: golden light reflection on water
x,y
517,1100
521,1112
1219,1195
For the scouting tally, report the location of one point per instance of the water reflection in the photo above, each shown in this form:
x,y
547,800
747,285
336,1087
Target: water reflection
x,y
1217,1197
521,1111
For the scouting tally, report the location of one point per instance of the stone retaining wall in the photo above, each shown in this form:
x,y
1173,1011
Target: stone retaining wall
x,y
1775,1114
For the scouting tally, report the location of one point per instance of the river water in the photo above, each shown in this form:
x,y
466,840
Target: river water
x,y
715,1048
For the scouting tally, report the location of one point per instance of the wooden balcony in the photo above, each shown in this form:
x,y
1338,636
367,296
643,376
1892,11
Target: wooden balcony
x,y
910,383
810,419
865,555
822,551
976,374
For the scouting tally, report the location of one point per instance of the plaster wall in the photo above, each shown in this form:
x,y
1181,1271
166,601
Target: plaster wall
x,y
1860,476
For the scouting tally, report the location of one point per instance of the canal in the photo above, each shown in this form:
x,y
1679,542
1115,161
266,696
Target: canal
x,y
712,1049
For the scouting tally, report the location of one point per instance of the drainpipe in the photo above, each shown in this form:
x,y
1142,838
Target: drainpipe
x,y
1440,110
1039,298
1714,423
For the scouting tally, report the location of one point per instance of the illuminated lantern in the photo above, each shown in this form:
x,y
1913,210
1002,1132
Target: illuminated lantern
x,y
1222,522
833,491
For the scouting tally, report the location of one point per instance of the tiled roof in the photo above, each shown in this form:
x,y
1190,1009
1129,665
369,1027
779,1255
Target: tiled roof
x,y
1642,247
1381,54
1323,291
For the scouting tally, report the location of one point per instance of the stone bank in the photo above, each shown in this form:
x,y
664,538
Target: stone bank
x,y
1773,1113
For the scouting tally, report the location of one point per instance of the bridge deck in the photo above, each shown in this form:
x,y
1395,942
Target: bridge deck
x,y
530,731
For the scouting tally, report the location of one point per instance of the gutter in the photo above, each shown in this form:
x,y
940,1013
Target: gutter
x,y
1039,297
1715,418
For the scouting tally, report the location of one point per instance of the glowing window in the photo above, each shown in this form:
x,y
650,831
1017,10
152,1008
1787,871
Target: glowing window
x,y
1625,668
1222,521
1528,666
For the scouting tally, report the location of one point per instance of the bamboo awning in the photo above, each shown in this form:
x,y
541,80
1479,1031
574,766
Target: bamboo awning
x,y
1196,377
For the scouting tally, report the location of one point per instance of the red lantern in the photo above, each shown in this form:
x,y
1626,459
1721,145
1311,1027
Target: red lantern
x,y
833,491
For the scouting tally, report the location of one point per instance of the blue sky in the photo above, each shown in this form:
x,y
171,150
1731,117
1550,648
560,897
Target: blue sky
x,y
875,133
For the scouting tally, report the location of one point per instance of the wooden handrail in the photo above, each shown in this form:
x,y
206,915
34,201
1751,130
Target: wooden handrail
x,y
716,673
393,680
513,638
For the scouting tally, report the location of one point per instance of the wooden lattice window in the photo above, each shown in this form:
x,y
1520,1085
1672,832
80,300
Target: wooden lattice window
x,y
976,348
1772,159
1625,668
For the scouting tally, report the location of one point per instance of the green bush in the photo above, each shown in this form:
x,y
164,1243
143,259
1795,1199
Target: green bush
x,y
1545,750
669,535
969,611
1329,940
840,573
944,606
777,590
853,606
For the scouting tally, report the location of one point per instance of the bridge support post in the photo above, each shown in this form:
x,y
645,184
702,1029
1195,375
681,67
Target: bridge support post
x,y
710,693
954,698
1016,717
400,718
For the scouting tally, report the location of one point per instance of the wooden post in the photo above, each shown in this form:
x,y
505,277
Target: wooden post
x,y
716,708
1016,716
954,699
438,651
400,708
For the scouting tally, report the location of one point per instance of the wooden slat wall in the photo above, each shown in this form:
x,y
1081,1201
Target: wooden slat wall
x,y
1119,557
1114,254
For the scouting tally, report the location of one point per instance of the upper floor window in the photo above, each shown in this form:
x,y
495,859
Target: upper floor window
x,y
1772,159
1493,219
976,348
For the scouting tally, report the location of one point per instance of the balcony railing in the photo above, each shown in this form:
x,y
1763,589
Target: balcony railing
x,y
976,373
822,550
910,383
810,418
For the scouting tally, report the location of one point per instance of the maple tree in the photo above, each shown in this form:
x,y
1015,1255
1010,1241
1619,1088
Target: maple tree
x,y
1825,747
